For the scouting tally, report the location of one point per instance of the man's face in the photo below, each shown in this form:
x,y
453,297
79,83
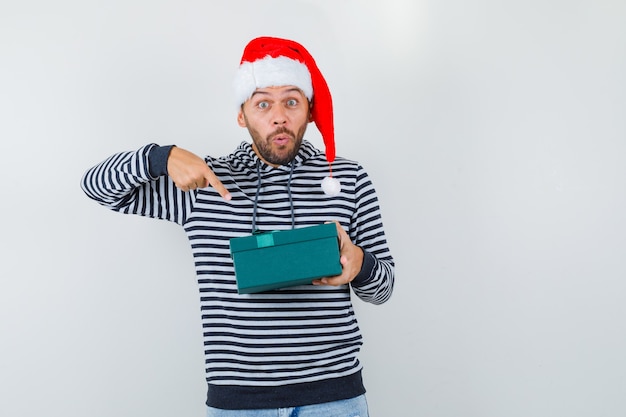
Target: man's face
x,y
276,118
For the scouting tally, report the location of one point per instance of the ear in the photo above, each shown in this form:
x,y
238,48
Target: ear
x,y
241,119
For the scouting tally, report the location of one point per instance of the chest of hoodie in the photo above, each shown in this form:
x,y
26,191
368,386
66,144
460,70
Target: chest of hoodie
x,y
267,199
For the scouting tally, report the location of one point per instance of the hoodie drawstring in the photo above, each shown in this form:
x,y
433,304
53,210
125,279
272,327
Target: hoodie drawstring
x,y
258,191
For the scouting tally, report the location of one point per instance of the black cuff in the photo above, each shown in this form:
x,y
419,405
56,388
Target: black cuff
x,y
157,160
369,262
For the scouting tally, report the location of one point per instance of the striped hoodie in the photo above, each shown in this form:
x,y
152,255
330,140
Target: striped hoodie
x,y
282,348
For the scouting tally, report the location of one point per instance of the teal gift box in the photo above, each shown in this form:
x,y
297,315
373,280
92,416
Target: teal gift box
x,y
279,259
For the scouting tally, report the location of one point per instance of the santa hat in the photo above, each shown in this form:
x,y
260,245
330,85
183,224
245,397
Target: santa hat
x,y
272,62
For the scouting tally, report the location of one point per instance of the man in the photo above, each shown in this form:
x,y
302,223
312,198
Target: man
x,y
294,348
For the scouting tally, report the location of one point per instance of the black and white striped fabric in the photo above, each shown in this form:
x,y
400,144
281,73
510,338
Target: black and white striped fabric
x,y
270,349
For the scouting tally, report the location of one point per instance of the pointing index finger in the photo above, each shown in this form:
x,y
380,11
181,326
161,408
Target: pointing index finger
x,y
217,185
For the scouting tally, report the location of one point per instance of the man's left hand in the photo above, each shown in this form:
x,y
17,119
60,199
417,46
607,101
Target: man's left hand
x,y
350,257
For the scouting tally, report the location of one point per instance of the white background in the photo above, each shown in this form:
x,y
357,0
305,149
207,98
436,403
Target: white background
x,y
494,131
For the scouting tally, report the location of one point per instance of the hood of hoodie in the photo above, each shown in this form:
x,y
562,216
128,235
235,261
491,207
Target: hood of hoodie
x,y
244,159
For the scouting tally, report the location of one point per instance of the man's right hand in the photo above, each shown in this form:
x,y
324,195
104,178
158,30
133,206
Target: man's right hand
x,y
189,171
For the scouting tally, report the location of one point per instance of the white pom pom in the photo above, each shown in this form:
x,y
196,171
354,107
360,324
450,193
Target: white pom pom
x,y
331,186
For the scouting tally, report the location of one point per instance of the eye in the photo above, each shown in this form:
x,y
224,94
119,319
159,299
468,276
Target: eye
x,y
292,102
263,105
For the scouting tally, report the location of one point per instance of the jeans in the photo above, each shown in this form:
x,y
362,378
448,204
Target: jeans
x,y
354,407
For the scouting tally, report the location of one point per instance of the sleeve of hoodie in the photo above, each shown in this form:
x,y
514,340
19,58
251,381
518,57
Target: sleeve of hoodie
x,y
375,281
136,182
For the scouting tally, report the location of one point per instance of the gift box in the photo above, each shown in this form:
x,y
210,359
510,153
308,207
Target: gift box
x,y
279,259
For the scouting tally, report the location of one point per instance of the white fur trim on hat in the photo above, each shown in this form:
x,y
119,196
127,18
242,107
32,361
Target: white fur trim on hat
x,y
271,72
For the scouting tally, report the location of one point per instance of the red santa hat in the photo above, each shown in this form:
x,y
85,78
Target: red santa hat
x,y
273,62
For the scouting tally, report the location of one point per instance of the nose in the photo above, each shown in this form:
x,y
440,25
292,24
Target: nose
x,y
278,116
